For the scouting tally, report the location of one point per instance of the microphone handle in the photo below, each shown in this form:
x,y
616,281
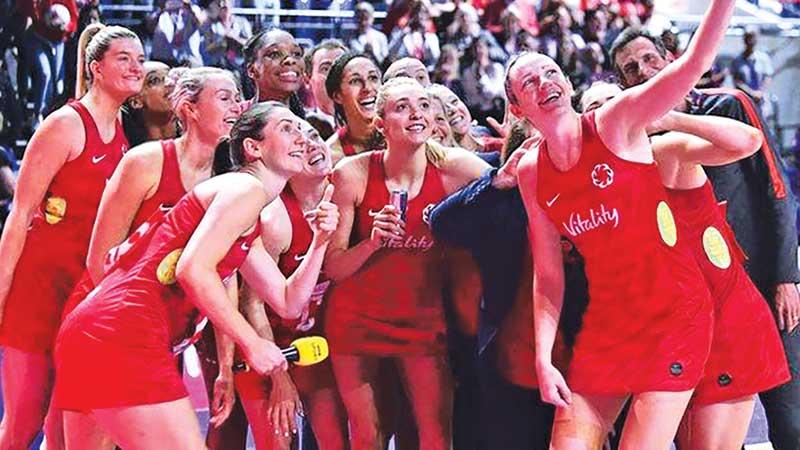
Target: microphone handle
x,y
290,353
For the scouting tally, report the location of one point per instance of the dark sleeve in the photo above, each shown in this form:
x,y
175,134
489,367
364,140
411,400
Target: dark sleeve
x,y
778,199
468,217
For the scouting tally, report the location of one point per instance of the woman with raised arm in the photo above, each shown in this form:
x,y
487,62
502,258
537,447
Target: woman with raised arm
x,y
746,353
647,329
353,83
387,300
46,236
287,236
115,351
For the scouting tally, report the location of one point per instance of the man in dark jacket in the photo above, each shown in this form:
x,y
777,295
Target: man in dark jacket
x,y
761,211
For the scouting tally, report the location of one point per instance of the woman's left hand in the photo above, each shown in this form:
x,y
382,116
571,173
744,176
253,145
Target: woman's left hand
x,y
324,219
224,398
284,404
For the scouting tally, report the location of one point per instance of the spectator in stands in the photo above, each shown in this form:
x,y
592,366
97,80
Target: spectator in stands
x,y
483,82
752,70
273,61
557,39
8,182
595,26
467,135
42,65
408,67
367,39
224,35
448,70
318,63
591,66
466,28
176,40
761,211
88,14
416,39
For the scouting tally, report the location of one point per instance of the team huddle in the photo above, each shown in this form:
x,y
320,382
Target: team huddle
x,y
249,231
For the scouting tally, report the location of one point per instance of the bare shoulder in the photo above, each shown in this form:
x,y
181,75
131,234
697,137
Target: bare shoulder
x,y
350,176
64,128
147,157
529,165
276,228
235,189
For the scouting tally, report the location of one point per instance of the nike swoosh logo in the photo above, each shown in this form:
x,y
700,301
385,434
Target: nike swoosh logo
x,y
245,247
299,257
553,200
373,213
97,159
164,208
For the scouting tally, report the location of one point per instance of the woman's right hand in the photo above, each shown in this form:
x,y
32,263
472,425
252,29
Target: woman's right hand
x,y
552,386
265,357
386,225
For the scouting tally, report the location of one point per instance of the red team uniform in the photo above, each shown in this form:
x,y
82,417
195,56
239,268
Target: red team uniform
x,y
117,347
648,323
747,356
170,190
252,386
393,305
54,255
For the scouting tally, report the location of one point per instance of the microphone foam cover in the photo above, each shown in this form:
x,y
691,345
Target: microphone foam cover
x,y
311,350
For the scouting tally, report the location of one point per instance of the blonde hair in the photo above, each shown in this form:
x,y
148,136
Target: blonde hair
x,y
435,153
190,84
93,44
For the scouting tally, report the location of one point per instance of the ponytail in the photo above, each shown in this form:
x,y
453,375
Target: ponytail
x,y
82,79
222,157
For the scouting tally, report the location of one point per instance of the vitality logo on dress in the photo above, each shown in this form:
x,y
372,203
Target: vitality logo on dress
x,y
602,176
579,224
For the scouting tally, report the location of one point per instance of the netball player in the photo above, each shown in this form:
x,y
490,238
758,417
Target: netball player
x,y
46,236
353,83
387,303
286,236
114,352
647,329
746,354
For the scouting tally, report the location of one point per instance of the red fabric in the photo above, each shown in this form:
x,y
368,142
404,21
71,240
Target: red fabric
x,y
778,186
54,254
116,348
252,386
169,191
648,323
466,289
747,355
344,139
393,305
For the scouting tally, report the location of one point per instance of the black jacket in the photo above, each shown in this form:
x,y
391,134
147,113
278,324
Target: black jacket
x,y
761,207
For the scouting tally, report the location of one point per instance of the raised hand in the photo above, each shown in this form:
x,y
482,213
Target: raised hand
x,y
324,219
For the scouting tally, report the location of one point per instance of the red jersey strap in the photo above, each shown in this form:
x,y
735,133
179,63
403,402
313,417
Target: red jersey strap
x,y
170,168
755,120
292,206
344,139
89,125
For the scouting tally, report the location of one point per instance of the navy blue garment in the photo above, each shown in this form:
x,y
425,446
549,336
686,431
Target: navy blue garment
x,y
762,212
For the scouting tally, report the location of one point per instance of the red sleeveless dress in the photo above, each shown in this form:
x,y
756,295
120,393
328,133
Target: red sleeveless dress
x,y
169,191
648,323
393,305
117,347
747,355
252,386
54,255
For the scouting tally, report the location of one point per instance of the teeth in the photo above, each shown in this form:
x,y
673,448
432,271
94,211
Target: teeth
x,y
417,127
296,154
316,159
368,103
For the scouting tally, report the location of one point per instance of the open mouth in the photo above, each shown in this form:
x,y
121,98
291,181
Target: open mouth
x,y
317,159
416,128
289,76
298,154
552,97
230,121
456,120
368,103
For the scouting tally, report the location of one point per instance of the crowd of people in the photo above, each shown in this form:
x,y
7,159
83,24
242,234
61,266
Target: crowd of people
x,y
527,237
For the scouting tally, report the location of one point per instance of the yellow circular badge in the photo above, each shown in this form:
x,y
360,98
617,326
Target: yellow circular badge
x,y
716,248
54,209
166,269
666,224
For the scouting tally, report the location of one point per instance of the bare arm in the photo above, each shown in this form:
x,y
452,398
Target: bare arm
x,y
197,267
548,284
289,297
343,260
706,140
59,139
637,107
130,185
224,395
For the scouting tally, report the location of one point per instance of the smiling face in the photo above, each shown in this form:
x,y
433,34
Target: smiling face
x,y
639,61
154,94
442,133
121,70
358,90
598,95
216,109
284,145
318,155
539,88
458,114
278,66
411,68
406,116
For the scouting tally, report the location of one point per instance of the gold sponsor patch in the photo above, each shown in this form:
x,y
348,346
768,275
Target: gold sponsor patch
x,y
54,210
166,269
716,248
666,224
